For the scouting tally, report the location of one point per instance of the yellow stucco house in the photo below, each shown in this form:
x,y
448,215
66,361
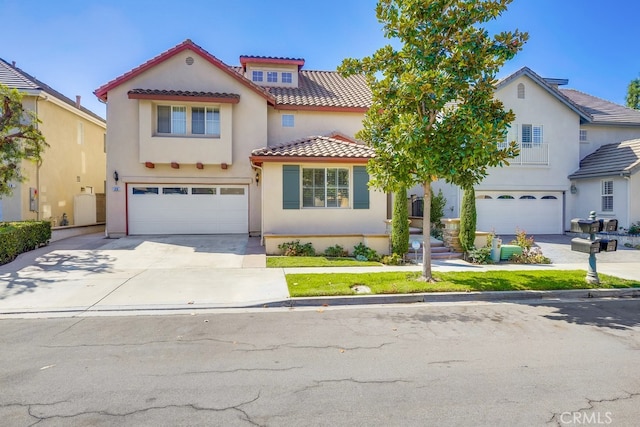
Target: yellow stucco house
x,y
68,187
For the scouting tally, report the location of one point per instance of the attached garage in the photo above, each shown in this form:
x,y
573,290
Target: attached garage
x,y
533,212
187,209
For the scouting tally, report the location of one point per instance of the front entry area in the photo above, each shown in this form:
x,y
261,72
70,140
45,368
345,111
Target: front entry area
x,y
187,209
534,212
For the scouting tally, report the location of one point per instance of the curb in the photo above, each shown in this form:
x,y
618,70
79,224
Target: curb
x,y
455,297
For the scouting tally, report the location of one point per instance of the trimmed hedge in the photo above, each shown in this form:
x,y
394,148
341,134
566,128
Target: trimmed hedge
x,y
20,237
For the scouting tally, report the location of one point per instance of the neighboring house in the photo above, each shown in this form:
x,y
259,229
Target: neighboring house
x,y
264,148
65,186
544,187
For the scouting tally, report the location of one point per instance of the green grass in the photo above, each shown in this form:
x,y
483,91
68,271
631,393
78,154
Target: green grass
x,y
302,285
316,261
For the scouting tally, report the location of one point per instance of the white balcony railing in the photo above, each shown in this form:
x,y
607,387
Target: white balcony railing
x,y
530,154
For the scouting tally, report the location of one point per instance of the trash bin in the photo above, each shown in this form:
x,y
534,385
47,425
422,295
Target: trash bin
x,y
496,245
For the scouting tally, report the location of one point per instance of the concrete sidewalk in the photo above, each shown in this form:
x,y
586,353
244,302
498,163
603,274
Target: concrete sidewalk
x,y
87,275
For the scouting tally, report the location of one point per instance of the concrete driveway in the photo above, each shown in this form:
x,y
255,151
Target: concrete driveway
x,y
91,273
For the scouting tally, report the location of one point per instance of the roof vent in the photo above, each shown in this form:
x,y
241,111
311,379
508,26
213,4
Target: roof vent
x,y
189,60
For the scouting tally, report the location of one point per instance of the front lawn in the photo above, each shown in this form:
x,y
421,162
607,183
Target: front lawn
x,y
316,261
331,284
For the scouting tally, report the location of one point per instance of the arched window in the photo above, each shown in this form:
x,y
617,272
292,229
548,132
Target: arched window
x,y
549,198
505,197
528,197
521,90
483,196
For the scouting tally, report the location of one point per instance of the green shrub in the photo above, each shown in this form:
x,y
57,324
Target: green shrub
x,y
336,251
297,249
20,237
364,253
635,228
394,259
400,223
480,255
530,254
438,204
468,219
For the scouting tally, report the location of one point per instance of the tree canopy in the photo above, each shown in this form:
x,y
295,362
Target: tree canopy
x,y
433,115
20,138
633,94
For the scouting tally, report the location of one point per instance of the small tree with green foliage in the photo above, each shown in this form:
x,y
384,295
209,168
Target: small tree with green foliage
x,y
633,94
20,138
433,113
468,219
400,223
438,204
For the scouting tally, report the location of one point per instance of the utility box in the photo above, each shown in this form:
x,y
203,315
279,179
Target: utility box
x,y
588,226
585,245
608,245
608,225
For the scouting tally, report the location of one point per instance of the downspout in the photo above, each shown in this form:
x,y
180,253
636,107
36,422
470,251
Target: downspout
x,y
255,166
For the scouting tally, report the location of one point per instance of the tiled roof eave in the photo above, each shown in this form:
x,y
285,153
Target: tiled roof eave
x,y
310,107
279,158
601,174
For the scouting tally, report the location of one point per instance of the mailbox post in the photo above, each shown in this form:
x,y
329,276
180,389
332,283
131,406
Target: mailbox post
x,y
592,272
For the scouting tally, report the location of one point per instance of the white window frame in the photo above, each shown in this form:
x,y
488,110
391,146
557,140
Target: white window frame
x,y
288,121
321,193
535,135
257,76
272,77
584,135
286,77
606,195
521,91
187,121
211,128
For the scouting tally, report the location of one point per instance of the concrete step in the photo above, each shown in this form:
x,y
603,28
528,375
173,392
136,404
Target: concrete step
x,y
446,255
439,249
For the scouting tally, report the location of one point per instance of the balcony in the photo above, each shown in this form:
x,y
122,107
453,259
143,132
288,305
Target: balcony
x,y
530,154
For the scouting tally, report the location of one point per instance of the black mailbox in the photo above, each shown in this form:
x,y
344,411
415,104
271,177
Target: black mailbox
x,y
585,225
608,245
585,245
608,225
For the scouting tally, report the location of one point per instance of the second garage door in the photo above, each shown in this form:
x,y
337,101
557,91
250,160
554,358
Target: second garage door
x,y
187,209
533,212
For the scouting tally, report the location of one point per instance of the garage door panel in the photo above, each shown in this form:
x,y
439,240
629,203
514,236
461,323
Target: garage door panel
x,y
184,209
539,215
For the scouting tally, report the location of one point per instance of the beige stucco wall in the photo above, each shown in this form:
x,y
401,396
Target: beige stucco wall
x,y
319,220
590,199
312,123
249,131
68,167
599,135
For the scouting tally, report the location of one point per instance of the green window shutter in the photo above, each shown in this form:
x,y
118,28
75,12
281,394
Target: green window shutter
x,y
360,188
290,187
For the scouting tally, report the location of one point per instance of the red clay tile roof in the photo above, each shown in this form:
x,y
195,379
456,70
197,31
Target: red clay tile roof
x,y
181,94
103,90
315,147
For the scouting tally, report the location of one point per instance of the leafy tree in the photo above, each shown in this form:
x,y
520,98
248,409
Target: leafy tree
x,y
468,219
433,114
633,94
400,223
20,138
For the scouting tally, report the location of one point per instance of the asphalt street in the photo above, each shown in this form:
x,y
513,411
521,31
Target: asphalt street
x,y
467,364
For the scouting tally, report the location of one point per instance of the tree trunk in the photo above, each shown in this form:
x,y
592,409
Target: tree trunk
x,y
426,232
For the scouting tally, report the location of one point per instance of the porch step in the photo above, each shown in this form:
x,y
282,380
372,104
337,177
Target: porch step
x,y
446,255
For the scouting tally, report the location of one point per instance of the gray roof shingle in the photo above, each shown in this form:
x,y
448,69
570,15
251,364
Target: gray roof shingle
x,y
317,147
619,159
603,111
14,77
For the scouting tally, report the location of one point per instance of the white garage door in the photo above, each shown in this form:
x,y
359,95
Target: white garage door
x,y
533,212
187,209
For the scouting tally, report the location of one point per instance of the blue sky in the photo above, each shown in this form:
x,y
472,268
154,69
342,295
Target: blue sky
x,y
76,46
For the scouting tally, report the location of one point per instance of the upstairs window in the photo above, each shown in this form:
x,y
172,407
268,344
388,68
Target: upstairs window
x,y
607,196
205,121
172,119
272,77
521,90
257,76
288,121
583,135
531,135
287,77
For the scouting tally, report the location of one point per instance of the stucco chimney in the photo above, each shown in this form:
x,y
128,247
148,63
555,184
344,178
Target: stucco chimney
x,y
78,101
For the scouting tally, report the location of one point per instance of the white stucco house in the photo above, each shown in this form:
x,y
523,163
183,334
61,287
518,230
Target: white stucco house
x,y
572,161
196,146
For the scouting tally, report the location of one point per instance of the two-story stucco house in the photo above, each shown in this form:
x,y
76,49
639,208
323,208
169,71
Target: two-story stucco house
x,y
67,188
549,183
265,148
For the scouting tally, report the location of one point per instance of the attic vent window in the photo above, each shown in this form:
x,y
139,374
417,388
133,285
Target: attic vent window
x,y
189,60
520,90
